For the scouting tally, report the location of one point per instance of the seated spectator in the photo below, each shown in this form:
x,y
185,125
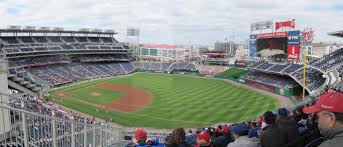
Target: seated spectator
x,y
329,112
154,143
241,138
140,138
178,138
289,126
223,140
253,130
203,140
272,135
192,138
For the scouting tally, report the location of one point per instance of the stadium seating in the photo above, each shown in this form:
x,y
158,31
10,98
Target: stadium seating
x,y
59,74
279,67
26,39
9,40
314,77
209,69
270,79
328,61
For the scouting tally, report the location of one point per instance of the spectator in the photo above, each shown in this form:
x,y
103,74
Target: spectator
x,y
191,139
140,138
272,135
223,140
203,140
241,138
329,110
253,130
178,138
289,126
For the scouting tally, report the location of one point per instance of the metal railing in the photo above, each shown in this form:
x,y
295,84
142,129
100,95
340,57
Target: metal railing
x,y
31,129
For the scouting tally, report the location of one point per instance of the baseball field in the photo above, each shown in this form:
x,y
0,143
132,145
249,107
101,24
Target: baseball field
x,y
164,100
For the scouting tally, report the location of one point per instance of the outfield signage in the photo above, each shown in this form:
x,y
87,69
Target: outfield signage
x,y
287,24
272,35
253,47
253,37
294,37
253,50
293,52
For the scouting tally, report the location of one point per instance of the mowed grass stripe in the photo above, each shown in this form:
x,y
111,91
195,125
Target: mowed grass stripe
x,y
181,101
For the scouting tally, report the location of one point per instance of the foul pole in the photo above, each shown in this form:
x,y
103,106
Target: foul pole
x,y
304,74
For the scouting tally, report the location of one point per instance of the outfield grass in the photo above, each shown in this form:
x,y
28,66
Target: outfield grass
x,y
234,72
179,101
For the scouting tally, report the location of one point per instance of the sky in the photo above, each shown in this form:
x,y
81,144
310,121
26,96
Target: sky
x,y
191,22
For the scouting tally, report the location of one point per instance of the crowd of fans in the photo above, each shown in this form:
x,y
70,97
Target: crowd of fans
x,y
41,128
60,74
274,80
319,124
328,61
314,78
163,66
210,69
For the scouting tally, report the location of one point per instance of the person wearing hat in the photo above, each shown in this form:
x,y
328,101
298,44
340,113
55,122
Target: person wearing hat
x,y
203,140
223,140
140,138
329,112
290,126
272,135
240,134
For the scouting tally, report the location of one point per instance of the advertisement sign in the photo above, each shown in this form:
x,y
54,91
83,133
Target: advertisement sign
x,y
253,50
293,52
253,37
253,47
272,35
288,24
307,35
294,37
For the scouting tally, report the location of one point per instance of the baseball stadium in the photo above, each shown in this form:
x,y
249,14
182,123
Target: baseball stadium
x,y
84,88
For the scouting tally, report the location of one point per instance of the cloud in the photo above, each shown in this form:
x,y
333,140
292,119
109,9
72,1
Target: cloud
x,y
177,21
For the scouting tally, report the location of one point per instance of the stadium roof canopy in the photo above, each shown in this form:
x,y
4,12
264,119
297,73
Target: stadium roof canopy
x,y
337,33
33,29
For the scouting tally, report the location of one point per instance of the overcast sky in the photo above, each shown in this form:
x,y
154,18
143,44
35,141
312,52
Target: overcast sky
x,y
176,21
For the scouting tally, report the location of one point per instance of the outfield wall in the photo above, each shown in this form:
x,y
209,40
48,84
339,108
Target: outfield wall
x,y
288,92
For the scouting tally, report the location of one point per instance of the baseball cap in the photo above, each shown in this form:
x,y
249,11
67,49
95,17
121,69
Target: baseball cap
x,y
140,133
331,101
204,136
226,130
282,112
240,129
